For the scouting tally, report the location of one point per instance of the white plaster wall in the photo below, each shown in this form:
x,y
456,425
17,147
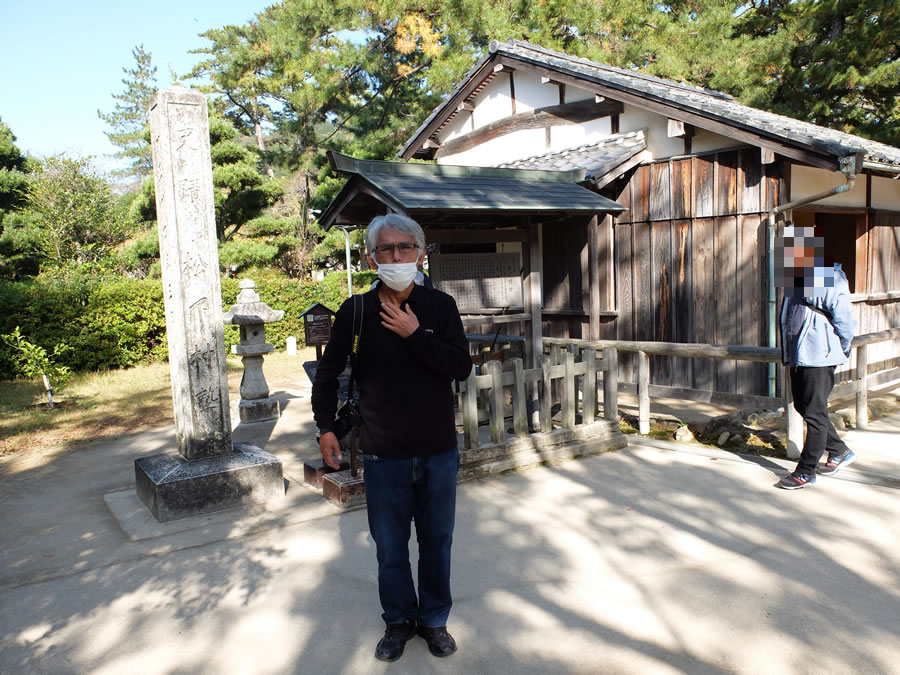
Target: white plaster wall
x,y
885,193
574,94
565,136
531,94
492,103
518,145
807,181
707,141
458,126
657,126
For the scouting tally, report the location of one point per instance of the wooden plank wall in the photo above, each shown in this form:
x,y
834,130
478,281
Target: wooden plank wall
x,y
883,276
690,263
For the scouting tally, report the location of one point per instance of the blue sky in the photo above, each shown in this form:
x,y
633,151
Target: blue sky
x,y
62,60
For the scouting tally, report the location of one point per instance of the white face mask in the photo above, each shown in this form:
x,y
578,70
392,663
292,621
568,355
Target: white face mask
x,y
397,276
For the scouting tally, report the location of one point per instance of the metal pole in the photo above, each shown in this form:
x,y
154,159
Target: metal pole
x,y
349,271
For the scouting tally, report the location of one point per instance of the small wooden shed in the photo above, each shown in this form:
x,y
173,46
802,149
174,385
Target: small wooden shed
x,y
493,235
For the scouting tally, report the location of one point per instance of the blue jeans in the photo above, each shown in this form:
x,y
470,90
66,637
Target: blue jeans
x,y
399,491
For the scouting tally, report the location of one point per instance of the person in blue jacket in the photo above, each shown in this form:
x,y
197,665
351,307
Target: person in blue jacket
x,y
817,327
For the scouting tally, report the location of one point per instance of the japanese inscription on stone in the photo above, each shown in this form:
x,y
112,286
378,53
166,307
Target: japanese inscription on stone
x,y
188,252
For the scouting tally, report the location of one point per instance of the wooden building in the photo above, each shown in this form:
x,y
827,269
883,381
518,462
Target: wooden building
x,y
703,180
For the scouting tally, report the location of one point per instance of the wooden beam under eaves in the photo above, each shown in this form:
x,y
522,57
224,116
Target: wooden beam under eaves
x,y
678,129
503,68
465,106
550,80
431,144
766,156
571,113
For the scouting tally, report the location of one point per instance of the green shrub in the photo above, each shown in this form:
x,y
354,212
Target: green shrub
x,y
120,323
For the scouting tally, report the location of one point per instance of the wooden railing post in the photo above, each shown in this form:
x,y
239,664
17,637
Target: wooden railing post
x,y
569,401
470,412
589,388
519,409
610,384
495,370
862,394
792,420
546,399
643,392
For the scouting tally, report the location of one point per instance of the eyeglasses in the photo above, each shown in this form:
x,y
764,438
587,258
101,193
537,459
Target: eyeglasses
x,y
405,248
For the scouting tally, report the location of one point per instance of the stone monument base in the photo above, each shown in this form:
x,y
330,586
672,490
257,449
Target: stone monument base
x,y
258,410
172,487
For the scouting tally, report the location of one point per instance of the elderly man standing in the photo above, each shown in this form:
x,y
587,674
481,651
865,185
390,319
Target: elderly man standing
x,y
411,348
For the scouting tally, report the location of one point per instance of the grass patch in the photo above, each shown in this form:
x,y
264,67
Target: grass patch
x,y
113,403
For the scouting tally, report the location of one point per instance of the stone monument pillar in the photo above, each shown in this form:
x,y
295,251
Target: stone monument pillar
x,y
252,316
208,473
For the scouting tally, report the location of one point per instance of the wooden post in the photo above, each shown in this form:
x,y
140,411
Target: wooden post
x,y
470,412
793,420
569,402
534,291
593,281
862,394
533,302
545,399
643,360
610,384
495,370
555,393
520,421
589,389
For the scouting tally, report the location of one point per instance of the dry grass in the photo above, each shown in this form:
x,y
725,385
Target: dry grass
x,y
99,405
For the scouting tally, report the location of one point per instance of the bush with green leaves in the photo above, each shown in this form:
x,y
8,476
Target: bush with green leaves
x,y
29,360
117,323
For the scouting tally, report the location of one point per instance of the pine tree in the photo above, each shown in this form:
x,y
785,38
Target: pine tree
x,y
831,62
13,179
131,116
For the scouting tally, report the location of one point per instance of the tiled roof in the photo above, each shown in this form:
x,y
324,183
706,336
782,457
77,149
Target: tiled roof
x,y
476,193
597,159
712,105
424,187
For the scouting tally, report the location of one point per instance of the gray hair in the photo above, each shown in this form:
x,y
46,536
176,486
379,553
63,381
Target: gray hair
x,y
397,223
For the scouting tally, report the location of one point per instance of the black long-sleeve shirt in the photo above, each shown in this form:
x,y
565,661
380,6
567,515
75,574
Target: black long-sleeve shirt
x,y
404,384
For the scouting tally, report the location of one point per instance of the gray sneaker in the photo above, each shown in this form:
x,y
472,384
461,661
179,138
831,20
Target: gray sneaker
x,y
836,463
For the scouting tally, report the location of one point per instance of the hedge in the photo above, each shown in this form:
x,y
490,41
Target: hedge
x,y
117,324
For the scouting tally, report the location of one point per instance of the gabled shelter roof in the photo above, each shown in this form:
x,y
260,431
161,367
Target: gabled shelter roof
x,y
704,108
414,188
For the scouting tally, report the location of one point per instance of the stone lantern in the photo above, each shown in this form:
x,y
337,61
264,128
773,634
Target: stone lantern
x,y
251,316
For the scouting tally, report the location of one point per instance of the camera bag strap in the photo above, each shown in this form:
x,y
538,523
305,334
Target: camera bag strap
x,y
354,344
354,352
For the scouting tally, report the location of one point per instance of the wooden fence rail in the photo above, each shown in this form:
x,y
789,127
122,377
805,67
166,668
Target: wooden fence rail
x,y
858,386
557,371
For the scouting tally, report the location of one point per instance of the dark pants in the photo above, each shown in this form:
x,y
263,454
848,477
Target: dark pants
x,y
810,388
399,491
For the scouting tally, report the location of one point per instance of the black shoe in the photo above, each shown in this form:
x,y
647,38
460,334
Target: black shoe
x,y
835,464
440,642
390,648
796,480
